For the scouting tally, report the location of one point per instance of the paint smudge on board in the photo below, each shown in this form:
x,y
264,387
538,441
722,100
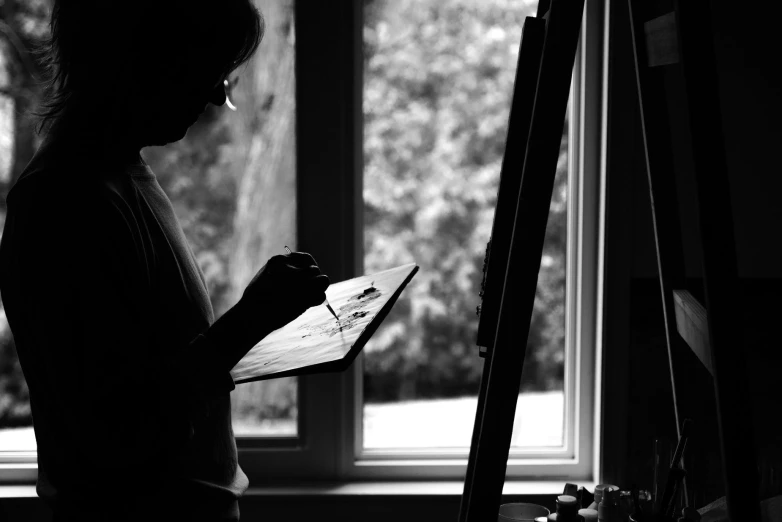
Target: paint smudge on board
x,y
346,322
350,315
359,301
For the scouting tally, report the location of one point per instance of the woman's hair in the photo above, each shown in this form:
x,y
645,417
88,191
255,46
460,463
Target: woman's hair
x,y
94,44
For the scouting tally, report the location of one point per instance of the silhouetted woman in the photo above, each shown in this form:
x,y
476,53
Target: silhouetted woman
x,y
128,371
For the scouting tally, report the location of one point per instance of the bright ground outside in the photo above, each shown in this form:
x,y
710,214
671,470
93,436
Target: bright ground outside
x,y
443,423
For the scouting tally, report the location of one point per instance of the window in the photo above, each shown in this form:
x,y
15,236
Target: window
x,y
336,144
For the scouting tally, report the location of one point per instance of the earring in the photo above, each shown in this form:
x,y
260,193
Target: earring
x,y
228,86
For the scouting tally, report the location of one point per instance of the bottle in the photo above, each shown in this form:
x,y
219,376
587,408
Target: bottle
x,y
599,494
567,510
609,509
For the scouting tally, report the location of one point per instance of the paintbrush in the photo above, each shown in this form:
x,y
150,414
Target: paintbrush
x,y
328,305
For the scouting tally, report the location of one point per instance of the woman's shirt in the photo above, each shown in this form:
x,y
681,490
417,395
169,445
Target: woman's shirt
x,y
108,308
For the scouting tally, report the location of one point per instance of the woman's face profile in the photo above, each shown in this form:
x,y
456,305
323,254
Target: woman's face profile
x,y
170,102
136,74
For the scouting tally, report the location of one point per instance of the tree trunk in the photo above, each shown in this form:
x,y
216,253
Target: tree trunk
x,y
265,219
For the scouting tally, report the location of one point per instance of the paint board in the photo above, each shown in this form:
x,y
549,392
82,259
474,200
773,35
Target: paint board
x,y
315,342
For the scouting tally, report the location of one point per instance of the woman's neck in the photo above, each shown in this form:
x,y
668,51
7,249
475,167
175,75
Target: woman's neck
x,y
86,131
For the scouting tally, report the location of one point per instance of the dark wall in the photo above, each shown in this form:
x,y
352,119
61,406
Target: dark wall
x,y
748,59
635,345
748,55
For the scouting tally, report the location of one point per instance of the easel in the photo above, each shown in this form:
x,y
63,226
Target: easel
x,y
684,36
543,80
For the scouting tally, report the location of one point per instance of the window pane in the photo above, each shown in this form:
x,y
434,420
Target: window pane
x,y
437,91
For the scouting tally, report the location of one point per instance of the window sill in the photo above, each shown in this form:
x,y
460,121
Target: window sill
x,y
358,489
405,488
20,491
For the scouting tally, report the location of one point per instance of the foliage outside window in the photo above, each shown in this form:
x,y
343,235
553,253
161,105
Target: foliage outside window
x,y
438,81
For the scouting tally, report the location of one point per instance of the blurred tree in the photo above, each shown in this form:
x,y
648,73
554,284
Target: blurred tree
x,y
22,24
262,157
438,85
232,182
263,154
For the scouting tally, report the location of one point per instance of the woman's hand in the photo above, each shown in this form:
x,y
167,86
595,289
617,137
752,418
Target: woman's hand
x,y
283,289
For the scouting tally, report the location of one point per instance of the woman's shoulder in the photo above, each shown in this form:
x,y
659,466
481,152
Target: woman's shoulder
x,y
56,183
48,217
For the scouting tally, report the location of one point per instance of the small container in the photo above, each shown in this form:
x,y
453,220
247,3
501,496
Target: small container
x,y
609,509
567,510
571,489
590,515
599,495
